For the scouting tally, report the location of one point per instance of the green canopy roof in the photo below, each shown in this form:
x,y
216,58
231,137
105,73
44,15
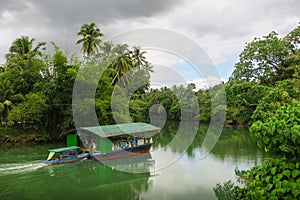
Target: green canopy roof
x,y
137,129
64,149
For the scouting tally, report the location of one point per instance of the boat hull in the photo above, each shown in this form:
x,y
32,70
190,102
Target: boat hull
x,y
122,153
69,159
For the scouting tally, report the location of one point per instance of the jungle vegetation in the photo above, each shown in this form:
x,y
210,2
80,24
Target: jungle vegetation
x,y
267,87
262,93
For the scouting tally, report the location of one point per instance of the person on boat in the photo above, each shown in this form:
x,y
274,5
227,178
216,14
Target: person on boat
x,y
60,156
133,142
122,145
94,146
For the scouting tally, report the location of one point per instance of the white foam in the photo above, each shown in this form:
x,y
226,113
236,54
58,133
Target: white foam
x,y
15,168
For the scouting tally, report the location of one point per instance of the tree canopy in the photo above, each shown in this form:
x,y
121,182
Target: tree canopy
x,y
269,59
90,38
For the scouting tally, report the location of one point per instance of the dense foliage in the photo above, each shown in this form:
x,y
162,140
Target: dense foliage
x,y
266,86
29,70
36,91
243,99
269,59
36,88
280,133
275,179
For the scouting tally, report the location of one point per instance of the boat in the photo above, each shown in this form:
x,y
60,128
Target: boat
x,y
117,141
65,155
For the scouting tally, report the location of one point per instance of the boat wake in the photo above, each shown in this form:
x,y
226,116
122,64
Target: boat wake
x,y
16,168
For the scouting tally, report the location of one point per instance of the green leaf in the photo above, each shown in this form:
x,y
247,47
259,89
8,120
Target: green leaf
x,y
273,198
287,173
269,186
277,183
295,173
266,140
279,176
268,179
291,165
273,171
296,193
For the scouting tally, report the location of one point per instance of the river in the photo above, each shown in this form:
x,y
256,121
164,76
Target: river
x,y
23,175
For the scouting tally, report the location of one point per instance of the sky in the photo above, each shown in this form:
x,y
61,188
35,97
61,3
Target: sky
x,y
219,27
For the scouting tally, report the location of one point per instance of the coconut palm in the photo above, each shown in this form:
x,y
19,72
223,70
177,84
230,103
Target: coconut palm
x,y
138,57
7,97
121,63
106,49
25,64
139,60
148,67
120,49
90,38
23,47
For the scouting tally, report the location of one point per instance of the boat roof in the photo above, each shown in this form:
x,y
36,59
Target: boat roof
x,y
64,149
137,129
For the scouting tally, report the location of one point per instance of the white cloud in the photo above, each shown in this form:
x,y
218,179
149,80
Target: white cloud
x,y
219,27
208,82
166,76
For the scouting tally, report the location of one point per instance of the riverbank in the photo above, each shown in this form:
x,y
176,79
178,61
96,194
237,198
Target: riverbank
x,y
14,136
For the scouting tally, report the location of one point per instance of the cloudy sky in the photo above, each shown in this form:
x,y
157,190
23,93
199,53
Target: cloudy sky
x,y
220,27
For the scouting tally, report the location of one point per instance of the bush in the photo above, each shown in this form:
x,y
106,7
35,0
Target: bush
x,y
280,134
274,179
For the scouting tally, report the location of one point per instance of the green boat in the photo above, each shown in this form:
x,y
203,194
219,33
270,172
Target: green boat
x,y
116,141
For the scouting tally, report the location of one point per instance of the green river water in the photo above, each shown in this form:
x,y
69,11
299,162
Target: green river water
x,y
23,175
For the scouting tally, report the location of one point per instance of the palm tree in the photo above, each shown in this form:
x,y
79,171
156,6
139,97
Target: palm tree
x,y
138,57
120,49
148,67
106,49
7,97
139,60
90,38
25,63
121,63
142,68
23,47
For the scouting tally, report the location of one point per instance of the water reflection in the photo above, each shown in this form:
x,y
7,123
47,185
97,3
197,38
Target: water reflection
x,y
234,142
92,179
189,177
192,176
